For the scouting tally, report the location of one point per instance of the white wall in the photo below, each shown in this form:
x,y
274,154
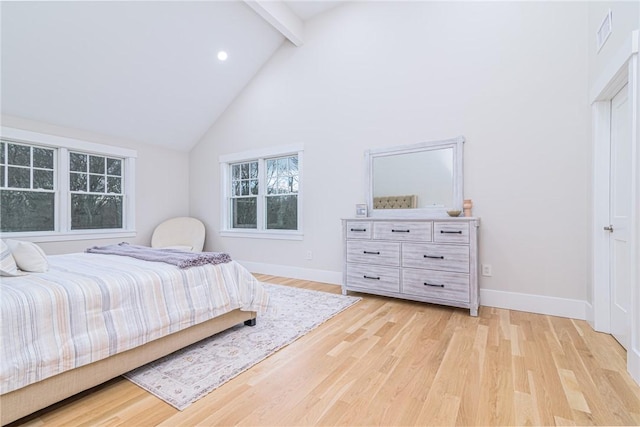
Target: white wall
x,y
509,76
625,19
162,182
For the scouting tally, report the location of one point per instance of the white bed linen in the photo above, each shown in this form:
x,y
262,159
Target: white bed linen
x,y
88,307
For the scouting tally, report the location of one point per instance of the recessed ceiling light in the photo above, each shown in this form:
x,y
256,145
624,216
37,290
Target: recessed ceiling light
x,y
222,55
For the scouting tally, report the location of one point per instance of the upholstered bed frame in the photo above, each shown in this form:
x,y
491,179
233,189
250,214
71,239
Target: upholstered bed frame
x,y
395,202
26,400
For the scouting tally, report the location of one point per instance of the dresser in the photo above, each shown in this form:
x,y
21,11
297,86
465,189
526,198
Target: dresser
x,y
429,260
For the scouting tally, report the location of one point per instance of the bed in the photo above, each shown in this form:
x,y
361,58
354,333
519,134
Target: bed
x,y
92,317
395,202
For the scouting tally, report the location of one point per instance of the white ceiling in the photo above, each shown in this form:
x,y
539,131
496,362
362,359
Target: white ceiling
x,y
307,9
138,70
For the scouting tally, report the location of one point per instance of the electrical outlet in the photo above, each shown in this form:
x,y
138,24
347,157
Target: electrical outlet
x,y
309,255
486,270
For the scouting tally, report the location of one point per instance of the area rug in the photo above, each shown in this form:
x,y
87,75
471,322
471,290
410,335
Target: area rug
x,y
189,374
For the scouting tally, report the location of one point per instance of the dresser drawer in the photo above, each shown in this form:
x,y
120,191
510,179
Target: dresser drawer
x,y
436,284
451,232
372,252
358,230
403,231
436,257
373,277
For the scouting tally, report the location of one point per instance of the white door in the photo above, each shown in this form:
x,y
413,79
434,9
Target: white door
x,y
619,215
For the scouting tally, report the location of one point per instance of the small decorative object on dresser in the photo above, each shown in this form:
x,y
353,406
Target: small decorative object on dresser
x,y
429,260
361,210
467,205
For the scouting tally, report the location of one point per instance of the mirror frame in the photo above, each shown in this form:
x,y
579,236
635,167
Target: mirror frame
x,y
454,143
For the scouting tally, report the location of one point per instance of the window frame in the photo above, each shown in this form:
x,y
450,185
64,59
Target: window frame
x,y
62,222
259,155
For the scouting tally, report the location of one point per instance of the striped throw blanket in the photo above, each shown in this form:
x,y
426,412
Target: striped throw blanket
x,y
176,257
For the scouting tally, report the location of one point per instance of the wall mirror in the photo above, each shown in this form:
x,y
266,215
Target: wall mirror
x,y
418,180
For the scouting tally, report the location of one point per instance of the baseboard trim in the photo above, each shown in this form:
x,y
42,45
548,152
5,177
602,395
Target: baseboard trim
x,y
323,276
590,315
633,364
552,306
562,307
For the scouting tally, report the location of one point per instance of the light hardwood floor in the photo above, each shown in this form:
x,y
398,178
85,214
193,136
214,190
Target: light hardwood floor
x,y
392,362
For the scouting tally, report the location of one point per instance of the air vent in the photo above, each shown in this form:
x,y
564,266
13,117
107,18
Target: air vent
x,y
604,31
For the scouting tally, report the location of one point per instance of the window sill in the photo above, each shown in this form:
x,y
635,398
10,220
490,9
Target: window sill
x,y
38,237
276,235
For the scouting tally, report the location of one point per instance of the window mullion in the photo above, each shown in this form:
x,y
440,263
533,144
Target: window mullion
x,y
63,197
300,191
31,168
260,214
6,164
227,182
128,187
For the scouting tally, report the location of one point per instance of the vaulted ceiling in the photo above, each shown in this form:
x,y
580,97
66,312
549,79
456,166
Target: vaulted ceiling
x,y
140,70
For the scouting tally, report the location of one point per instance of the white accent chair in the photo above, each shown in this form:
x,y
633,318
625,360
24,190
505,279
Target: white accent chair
x,y
179,233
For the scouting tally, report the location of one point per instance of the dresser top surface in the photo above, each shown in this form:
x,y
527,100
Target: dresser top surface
x,y
444,218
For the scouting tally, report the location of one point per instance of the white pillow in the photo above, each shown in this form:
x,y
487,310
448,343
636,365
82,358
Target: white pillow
x,y
28,256
8,265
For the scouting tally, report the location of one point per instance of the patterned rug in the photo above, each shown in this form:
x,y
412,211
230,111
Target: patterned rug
x,y
189,374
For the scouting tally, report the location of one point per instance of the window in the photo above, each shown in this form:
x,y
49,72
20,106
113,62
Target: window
x,y
27,189
244,195
55,188
282,193
262,193
96,191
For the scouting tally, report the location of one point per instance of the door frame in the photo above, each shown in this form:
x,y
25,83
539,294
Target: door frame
x,y
622,70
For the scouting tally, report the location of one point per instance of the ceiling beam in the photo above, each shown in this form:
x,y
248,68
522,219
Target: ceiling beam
x,y
281,18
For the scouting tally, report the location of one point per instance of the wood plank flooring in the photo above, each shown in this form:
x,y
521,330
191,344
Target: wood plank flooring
x,y
392,362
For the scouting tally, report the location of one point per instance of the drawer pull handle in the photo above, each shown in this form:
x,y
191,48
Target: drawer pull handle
x,y
393,230
434,257
359,229
450,232
371,252
371,277
434,285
